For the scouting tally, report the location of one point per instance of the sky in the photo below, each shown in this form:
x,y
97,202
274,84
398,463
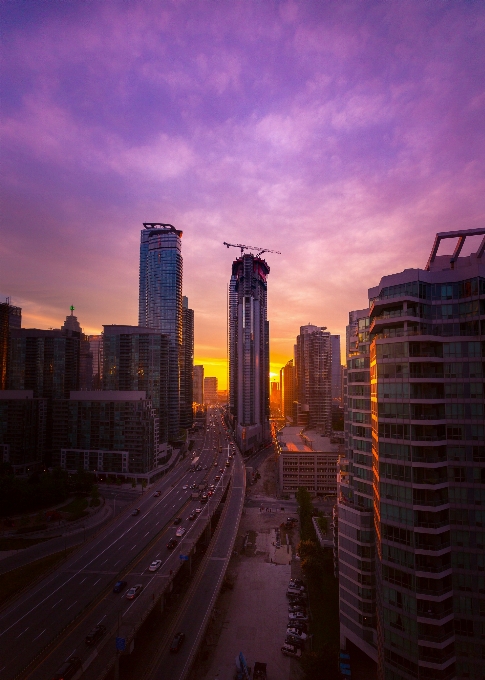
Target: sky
x,y
342,133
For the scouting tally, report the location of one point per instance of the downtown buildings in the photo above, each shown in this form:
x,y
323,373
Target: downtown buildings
x,y
313,361
248,339
410,518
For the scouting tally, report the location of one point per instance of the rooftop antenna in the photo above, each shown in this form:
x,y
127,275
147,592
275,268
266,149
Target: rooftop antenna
x,y
72,309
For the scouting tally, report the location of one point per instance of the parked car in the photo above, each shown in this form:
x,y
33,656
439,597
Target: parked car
x,y
296,632
95,634
298,625
295,641
135,512
301,616
296,608
177,520
296,582
172,543
156,564
134,591
291,650
68,669
177,642
180,531
119,586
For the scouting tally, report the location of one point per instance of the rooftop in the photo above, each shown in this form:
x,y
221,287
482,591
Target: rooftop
x,y
309,441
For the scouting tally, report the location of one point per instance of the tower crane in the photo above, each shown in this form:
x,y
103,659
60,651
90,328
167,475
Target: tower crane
x,y
243,248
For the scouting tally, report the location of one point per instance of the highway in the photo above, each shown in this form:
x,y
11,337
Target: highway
x,y
80,590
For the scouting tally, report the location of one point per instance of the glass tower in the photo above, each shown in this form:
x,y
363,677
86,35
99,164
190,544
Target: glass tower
x,y
160,301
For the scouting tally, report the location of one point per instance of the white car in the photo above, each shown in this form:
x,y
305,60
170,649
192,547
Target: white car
x,y
297,616
296,632
185,486
180,531
291,650
155,565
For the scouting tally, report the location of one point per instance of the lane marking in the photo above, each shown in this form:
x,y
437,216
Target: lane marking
x,y
24,631
55,605
71,605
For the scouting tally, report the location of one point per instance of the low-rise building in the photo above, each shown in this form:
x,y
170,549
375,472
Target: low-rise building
x,y
308,459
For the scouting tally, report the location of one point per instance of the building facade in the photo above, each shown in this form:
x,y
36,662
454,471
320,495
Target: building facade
x,y
160,301
313,359
10,317
308,460
199,385
187,367
106,431
249,352
22,430
137,359
288,390
336,369
210,391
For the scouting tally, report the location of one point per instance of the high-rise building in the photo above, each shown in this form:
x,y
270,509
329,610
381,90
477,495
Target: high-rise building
x,y
314,378
160,301
274,396
10,317
355,502
210,391
106,431
96,349
187,366
72,328
137,359
198,384
22,430
232,348
249,352
288,390
336,375
427,360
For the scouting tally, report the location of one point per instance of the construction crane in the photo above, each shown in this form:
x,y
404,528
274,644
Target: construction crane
x,y
243,248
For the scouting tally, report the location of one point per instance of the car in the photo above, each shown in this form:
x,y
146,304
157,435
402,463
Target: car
x,y
298,625
156,564
157,494
221,470
185,487
217,478
291,650
295,641
298,615
198,511
192,515
296,608
68,669
95,634
295,581
209,493
135,512
180,531
177,520
134,591
172,543
205,467
297,590
216,464
193,486
212,486
296,632
119,586
177,642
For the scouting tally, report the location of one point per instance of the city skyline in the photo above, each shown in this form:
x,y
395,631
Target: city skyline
x,y
345,136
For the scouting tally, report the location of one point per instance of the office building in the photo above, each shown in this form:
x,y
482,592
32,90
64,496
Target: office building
x,y
210,391
275,395
355,514
313,359
187,366
232,348
72,328
288,390
336,376
107,432
199,385
10,317
427,353
137,359
308,460
22,430
249,352
160,301
96,349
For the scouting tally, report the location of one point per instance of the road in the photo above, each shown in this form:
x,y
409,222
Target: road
x,y
85,580
193,618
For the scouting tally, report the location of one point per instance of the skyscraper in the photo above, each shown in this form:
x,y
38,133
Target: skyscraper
x,y
249,352
160,301
10,317
199,384
187,366
427,358
72,328
336,367
313,376
210,391
288,390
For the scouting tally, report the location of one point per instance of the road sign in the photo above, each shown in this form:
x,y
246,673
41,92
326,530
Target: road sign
x,y
184,558
120,644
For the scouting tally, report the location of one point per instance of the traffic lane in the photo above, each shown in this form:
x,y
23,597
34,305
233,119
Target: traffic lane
x,y
173,666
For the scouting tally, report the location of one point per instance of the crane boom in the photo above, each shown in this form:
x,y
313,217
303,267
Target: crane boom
x,y
244,247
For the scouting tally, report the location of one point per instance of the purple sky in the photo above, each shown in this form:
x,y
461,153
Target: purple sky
x,y
344,134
